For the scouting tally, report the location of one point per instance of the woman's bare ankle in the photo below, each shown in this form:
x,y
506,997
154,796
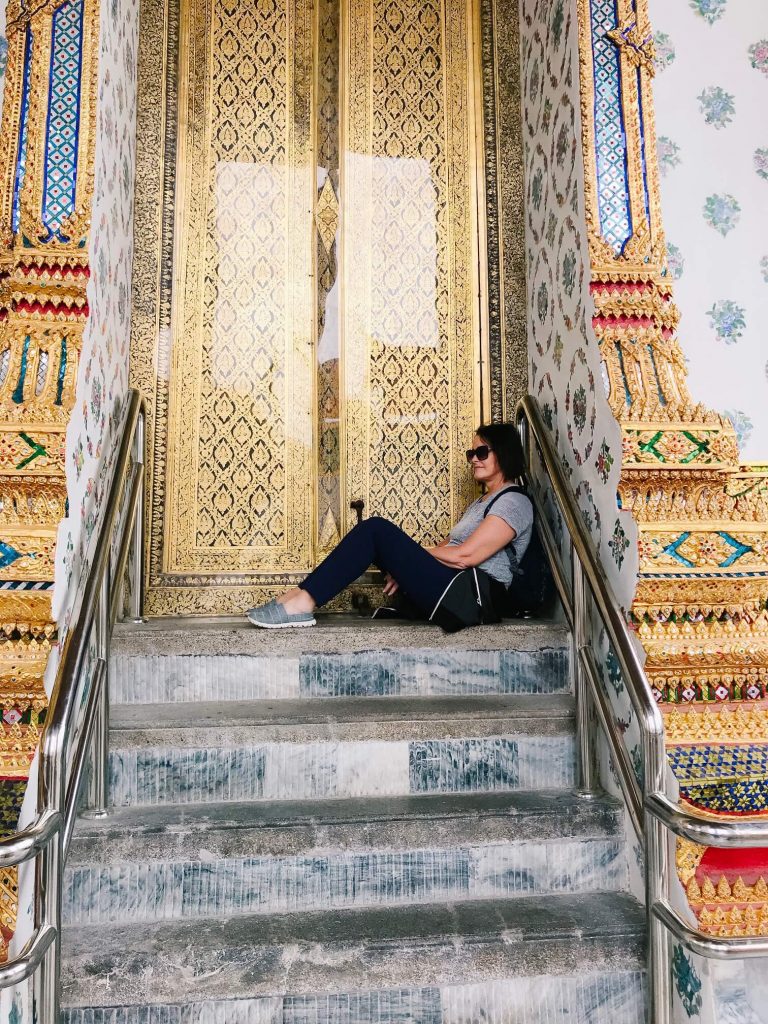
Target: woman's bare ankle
x,y
297,601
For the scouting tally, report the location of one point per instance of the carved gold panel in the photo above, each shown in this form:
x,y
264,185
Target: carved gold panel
x,y
410,389
316,336
240,405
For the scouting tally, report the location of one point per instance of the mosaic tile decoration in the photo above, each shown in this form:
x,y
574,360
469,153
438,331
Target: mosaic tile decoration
x,y
11,796
727,779
63,115
610,138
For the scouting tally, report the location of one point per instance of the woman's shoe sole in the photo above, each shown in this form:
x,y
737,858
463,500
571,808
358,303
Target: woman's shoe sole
x,y
281,625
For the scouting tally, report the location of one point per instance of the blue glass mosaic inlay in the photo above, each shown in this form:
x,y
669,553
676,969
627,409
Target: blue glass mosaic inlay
x,y
610,137
60,180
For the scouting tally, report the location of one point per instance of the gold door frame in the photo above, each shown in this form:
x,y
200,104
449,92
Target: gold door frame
x,y
181,580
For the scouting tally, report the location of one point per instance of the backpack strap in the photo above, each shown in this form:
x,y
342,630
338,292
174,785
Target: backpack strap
x,y
512,489
510,548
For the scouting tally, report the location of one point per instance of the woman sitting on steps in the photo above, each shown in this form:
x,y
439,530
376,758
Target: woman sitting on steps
x,y
434,579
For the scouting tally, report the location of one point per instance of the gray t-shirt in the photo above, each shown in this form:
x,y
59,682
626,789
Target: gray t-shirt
x,y
517,511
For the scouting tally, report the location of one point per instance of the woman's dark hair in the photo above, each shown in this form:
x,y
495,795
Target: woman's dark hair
x,y
504,439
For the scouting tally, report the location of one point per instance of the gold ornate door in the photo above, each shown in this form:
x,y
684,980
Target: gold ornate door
x,y
323,339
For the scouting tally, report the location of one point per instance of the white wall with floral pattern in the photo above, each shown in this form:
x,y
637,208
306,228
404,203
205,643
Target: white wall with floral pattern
x,y
711,98
565,366
103,373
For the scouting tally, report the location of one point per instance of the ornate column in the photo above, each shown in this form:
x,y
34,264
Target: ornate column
x,y
46,185
700,607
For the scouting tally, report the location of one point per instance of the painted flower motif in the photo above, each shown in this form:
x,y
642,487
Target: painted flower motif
x,y
537,189
637,765
561,144
687,981
761,162
546,115
722,212
665,50
668,153
11,716
78,457
764,268
542,302
717,106
758,56
551,228
557,351
618,544
533,88
709,10
558,20
569,272
727,320
580,407
604,461
675,262
614,672
3,55
742,424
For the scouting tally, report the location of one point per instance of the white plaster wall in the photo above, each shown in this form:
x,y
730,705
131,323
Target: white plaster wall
x,y
711,93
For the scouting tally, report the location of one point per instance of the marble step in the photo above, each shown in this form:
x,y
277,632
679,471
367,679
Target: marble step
x,y
492,850
304,750
351,951
229,660
609,997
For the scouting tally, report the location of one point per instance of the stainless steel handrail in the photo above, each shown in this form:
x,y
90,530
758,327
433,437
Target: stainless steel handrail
x,y
84,723
651,811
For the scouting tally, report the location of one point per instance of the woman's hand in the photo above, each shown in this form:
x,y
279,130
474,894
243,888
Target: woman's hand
x,y
391,586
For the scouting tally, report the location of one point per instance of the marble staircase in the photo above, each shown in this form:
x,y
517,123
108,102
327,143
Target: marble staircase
x,y
357,824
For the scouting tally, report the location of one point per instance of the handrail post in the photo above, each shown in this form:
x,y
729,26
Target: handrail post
x,y
48,871
656,882
98,789
137,541
580,638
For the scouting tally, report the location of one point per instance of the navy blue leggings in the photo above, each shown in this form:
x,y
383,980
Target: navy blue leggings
x,y
376,541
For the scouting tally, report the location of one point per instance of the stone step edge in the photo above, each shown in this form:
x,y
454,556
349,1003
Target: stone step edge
x,y
333,635
339,719
350,949
350,824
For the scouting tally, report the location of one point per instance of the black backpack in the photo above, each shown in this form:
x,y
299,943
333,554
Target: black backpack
x,y
532,590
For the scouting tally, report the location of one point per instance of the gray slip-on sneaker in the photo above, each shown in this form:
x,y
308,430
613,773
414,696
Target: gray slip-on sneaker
x,y
274,616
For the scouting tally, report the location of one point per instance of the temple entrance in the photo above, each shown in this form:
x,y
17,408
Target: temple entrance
x,y
324,344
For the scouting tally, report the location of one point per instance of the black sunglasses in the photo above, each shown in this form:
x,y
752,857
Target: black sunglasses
x,y
480,453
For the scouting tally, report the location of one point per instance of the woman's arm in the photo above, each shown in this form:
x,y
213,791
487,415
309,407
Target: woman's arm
x,y
491,536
